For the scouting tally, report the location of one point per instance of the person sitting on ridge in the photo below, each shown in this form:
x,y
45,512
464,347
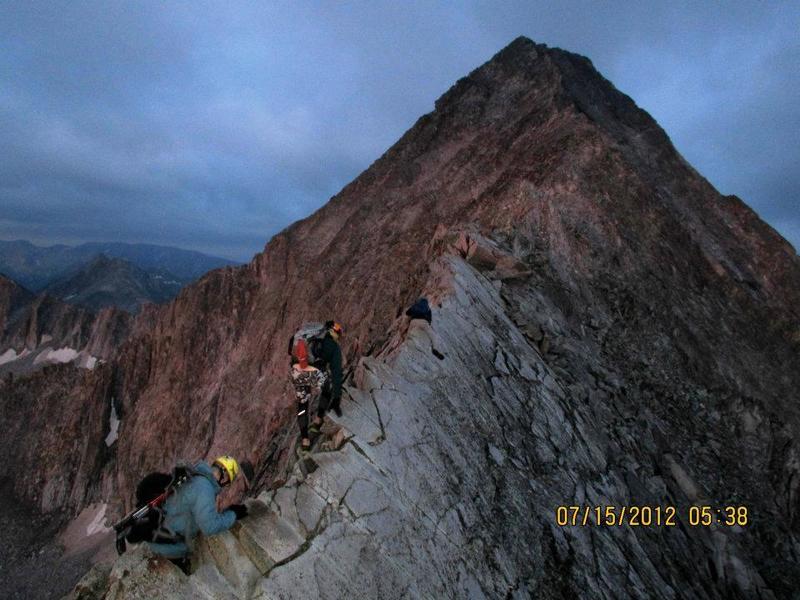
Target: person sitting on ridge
x,y
192,508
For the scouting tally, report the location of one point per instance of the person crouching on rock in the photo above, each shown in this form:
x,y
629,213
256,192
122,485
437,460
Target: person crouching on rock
x,y
192,508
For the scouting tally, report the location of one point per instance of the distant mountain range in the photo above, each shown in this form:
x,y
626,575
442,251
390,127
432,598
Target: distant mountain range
x,y
37,267
106,281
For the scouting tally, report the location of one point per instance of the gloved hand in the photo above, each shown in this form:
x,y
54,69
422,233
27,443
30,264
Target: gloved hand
x,y
239,509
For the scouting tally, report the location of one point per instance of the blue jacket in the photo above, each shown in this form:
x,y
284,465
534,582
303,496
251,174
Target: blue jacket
x,y
192,509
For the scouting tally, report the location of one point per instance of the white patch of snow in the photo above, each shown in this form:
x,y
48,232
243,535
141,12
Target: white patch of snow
x,y
113,426
86,360
45,338
70,296
8,356
43,356
63,355
98,524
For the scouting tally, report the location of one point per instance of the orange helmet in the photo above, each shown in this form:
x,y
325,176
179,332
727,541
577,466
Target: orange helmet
x,y
336,330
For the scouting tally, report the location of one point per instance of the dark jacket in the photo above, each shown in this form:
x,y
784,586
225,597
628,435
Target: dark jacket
x,y
330,356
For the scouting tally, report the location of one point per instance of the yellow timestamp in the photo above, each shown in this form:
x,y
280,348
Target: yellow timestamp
x,y
649,516
726,515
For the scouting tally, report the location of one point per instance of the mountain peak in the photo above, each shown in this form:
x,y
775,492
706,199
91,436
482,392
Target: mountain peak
x,y
103,261
520,47
109,281
526,70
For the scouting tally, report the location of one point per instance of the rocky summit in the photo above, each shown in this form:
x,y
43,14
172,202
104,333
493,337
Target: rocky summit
x,y
608,331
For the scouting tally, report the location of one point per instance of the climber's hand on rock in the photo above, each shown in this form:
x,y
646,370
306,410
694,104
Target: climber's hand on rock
x,y
239,509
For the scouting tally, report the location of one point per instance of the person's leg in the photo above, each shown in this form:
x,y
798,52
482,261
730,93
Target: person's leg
x,y
183,563
326,403
302,396
302,420
324,400
336,406
172,551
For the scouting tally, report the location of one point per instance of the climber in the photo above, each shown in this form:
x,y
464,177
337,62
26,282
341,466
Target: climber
x,y
316,365
192,508
307,381
330,358
420,310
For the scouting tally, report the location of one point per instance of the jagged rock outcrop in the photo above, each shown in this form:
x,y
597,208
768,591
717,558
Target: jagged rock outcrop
x,y
38,329
608,329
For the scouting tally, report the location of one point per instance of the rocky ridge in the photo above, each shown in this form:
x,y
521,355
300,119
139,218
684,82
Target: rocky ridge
x,y
442,478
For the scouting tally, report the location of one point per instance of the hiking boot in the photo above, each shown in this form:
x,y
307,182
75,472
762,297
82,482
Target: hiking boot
x,y
303,449
183,563
316,427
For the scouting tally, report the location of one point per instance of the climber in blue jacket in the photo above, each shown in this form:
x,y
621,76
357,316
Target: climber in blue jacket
x,y
192,508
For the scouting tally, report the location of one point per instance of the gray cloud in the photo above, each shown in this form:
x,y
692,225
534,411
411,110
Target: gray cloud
x,y
213,126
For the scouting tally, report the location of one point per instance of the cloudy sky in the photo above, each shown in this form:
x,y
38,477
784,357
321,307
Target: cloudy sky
x,y
212,126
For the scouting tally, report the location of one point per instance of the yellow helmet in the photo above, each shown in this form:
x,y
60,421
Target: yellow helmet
x,y
229,466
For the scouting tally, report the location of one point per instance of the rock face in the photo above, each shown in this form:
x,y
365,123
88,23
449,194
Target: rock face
x,y
38,329
607,330
453,453
106,282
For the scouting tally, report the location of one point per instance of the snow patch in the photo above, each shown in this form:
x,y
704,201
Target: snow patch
x,y
62,355
86,360
98,524
113,425
45,339
87,534
43,356
8,356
